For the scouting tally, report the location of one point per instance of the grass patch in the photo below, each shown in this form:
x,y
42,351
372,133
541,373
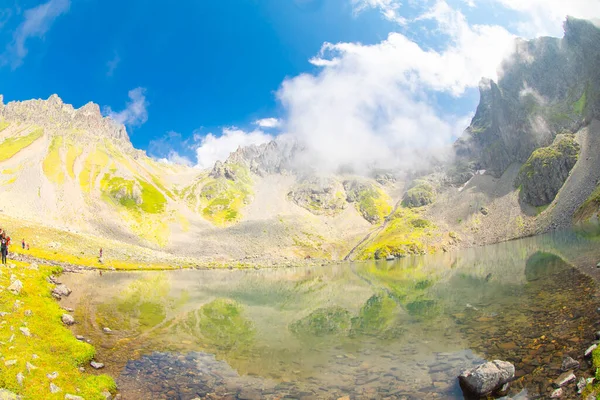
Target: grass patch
x,y
590,207
420,194
92,167
52,164
11,146
405,234
3,125
55,345
73,154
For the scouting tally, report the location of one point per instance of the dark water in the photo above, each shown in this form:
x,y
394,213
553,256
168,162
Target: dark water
x,y
376,330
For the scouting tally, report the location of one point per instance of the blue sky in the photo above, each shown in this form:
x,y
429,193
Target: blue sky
x,y
191,68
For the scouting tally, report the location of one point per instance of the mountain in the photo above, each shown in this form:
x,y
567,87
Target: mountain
x,y
527,163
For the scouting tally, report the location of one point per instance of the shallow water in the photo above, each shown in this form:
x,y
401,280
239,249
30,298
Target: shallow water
x,y
374,330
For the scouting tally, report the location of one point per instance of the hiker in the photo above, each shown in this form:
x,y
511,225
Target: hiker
x,y
4,242
28,246
23,243
100,253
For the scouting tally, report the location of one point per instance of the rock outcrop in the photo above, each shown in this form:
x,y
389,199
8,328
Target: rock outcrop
x,y
546,170
321,196
548,86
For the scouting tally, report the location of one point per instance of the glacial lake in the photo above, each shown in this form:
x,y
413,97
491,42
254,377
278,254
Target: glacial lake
x,y
372,330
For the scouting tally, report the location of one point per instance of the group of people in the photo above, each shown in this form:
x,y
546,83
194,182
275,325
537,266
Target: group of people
x,y
5,243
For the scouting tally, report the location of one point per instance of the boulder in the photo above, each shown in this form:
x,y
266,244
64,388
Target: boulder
x,y
61,290
68,319
564,379
16,287
487,378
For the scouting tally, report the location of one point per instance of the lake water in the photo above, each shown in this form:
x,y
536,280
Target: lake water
x,y
374,330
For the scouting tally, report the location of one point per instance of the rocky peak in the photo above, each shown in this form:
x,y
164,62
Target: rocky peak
x,y
54,116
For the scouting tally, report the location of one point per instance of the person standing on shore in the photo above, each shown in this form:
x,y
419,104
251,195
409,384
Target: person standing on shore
x,y
23,243
3,247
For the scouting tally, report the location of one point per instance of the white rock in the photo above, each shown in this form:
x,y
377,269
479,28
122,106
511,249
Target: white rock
x,y
34,357
97,365
79,337
13,278
16,287
25,331
565,378
54,388
20,378
557,393
590,349
34,267
61,290
73,397
107,330
30,367
52,376
28,313
10,363
68,319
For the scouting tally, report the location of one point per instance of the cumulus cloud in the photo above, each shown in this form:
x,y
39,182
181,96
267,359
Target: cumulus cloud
x,y
545,17
373,105
217,148
135,112
171,149
37,22
389,9
268,123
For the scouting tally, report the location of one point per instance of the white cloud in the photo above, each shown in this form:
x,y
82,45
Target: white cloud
x,y
135,113
217,148
389,9
545,17
372,105
38,21
112,65
175,158
268,123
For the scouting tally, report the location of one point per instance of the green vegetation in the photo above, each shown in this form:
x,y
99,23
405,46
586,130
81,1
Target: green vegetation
x,y
323,322
590,207
52,164
375,317
54,345
220,200
405,233
370,200
541,265
11,146
420,194
580,105
73,154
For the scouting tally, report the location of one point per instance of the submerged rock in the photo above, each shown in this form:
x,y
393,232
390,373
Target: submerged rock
x,y
564,379
568,364
487,377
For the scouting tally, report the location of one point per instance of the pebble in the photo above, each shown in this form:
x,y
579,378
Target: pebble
x,y
30,367
28,313
25,331
10,363
68,319
72,397
54,388
79,337
16,287
52,376
107,330
20,378
34,357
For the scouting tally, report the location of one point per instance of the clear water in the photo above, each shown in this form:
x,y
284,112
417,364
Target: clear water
x,y
374,330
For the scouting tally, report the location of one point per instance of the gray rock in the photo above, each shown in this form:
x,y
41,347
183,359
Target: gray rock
x,y
52,376
588,352
97,365
54,388
568,364
10,363
16,287
556,393
68,319
61,290
487,378
564,379
25,331
73,397
79,337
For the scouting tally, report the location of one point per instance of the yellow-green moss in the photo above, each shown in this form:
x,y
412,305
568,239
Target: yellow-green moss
x,y
11,146
3,125
405,233
55,346
52,164
370,200
92,167
73,154
589,208
420,194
